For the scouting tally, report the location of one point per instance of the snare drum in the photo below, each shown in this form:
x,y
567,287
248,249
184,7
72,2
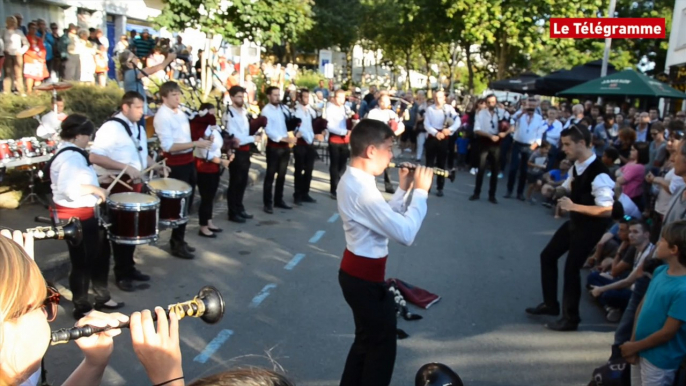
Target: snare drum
x,y
6,154
25,147
133,218
173,194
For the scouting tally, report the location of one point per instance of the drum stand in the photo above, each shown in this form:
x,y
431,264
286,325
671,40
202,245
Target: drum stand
x,y
33,196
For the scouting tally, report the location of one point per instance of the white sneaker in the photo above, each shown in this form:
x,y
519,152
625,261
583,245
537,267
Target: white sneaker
x,y
473,171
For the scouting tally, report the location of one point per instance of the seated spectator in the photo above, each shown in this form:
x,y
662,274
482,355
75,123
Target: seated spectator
x,y
630,176
612,248
553,180
610,156
615,296
537,165
659,343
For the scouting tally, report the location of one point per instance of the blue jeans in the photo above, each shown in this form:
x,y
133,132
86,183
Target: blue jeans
x,y
616,298
519,161
597,280
626,324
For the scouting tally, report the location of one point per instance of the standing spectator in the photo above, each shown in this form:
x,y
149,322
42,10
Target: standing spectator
x,y
35,69
16,46
630,177
132,75
325,91
553,130
101,66
250,89
72,70
658,146
86,54
121,46
643,128
102,39
654,115
179,47
604,134
93,36
527,137
55,66
155,58
2,55
20,25
681,116
144,46
627,138
48,42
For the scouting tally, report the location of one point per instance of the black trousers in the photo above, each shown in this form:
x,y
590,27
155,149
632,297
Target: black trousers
x,y
124,266
277,162
338,157
578,241
452,153
208,183
186,173
490,153
372,356
304,155
437,155
521,152
89,265
238,182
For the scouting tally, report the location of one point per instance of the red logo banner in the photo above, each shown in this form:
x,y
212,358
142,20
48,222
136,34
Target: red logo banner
x,y
601,28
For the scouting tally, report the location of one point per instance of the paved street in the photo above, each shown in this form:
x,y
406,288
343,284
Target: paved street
x,y
480,258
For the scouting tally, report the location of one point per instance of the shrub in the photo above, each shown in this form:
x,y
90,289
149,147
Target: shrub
x,y
309,79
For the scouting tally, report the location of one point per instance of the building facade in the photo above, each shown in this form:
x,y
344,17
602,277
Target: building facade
x,y
675,65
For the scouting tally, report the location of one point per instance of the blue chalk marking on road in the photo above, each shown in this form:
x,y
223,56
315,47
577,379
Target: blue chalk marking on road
x,y
213,346
317,236
294,261
259,298
333,218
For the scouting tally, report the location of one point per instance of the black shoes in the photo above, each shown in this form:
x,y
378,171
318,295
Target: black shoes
x,y
492,200
210,236
543,309
308,199
126,285
80,313
521,198
245,215
282,205
182,251
216,230
508,195
109,305
188,247
269,209
562,325
237,218
439,193
474,197
297,202
139,276
333,196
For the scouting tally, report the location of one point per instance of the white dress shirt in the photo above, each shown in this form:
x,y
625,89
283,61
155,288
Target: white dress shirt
x,y
602,186
369,221
236,122
488,122
172,127
386,116
642,135
529,129
434,119
112,141
215,148
306,114
337,119
552,135
276,122
67,173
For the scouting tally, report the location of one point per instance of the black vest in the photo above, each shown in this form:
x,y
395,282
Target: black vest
x,y
582,194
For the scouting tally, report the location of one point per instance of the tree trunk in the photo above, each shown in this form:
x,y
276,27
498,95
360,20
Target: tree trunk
x,y
470,69
501,49
349,64
427,58
408,68
376,64
451,66
364,67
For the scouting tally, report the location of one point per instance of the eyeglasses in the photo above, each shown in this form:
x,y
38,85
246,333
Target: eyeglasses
x,y
676,134
50,303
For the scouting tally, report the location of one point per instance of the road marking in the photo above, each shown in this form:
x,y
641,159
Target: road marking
x,y
317,236
213,346
294,261
259,298
333,218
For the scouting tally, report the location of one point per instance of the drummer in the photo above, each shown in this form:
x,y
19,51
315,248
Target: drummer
x,y
75,193
174,132
114,149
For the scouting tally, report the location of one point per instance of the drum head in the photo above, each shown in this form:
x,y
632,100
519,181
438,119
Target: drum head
x,y
169,187
132,200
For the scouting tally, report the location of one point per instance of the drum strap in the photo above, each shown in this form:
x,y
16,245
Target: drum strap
x,y
136,141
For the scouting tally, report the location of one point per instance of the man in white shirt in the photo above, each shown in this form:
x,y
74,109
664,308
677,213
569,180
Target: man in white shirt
x,y
369,222
278,150
383,112
489,137
337,126
121,143
438,134
590,201
527,137
236,122
304,152
174,132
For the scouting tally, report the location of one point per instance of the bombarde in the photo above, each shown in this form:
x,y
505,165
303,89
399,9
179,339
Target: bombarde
x,y
208,305
449,174
71,231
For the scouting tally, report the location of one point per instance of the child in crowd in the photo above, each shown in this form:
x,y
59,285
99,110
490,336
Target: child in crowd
x,y
658,345
462,147
552,180
538,163
610,157
101,66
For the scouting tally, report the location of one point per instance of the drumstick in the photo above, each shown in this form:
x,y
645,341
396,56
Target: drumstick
x,y
152,167
116,179
164,166
122,182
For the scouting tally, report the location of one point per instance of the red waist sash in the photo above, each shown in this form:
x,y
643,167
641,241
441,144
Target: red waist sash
x,y
277,145
364,268
64,213
339,139
178,159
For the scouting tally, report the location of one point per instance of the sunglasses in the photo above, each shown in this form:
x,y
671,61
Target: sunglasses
x,y
50,303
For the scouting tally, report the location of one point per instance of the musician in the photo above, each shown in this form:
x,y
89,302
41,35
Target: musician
x,y
438,134
278,151
304,151
383,112
527,137
337,126
208,163
174,133
590,202
122,143
487,133
26,307
75,193
369,222
236,122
